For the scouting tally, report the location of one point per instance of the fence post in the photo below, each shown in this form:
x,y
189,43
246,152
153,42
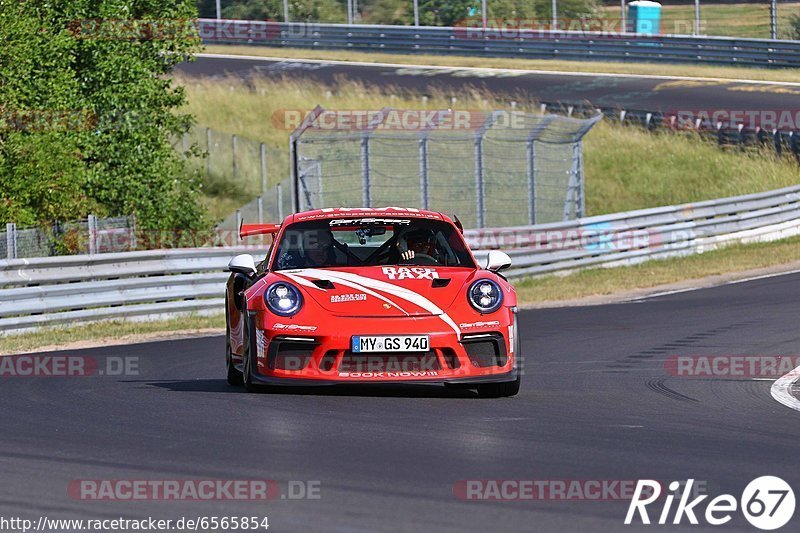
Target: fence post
x,y
263,168
365,177
183,144
133,231
280,203
238,222
260,204
208,152
92,223
294,174
11,240
479,185
233,142
581,182
575,184
423,170
531,161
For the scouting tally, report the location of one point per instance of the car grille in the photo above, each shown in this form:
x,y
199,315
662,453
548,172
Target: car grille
x,y
485,350
286,354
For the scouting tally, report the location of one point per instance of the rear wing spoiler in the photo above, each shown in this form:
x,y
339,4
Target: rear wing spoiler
x,y
247,230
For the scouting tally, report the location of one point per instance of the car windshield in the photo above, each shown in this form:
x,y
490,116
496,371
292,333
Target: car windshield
x,y
371,242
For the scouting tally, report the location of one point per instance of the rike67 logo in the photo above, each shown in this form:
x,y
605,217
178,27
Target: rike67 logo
x,y
767,503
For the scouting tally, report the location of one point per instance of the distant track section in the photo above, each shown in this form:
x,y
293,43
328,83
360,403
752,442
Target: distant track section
x,y
767,111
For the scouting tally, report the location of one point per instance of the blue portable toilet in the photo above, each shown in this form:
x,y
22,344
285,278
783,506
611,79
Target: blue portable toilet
x,y
644,17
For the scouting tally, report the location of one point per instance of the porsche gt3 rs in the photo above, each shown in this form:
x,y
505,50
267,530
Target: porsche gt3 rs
x,y
358,295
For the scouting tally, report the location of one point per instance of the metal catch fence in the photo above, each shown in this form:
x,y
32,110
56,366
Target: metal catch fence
x,y
495,168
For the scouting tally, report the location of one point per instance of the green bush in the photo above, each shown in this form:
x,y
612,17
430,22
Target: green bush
x,y
794,27
299,10
87,111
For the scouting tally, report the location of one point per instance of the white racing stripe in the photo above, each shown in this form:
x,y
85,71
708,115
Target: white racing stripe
x,y
297,277
400,292
500,70
782,390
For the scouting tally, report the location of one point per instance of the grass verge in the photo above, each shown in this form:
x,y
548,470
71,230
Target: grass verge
x,y
653,69
607,281
626,167
110,332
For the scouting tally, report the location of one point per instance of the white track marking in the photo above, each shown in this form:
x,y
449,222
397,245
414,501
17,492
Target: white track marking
x,y
501,70
701,287
782,390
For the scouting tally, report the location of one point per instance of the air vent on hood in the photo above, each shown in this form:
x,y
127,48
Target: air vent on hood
x,y
324,284
440,282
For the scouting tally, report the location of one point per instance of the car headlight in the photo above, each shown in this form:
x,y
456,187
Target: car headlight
x,y
485,296
283,299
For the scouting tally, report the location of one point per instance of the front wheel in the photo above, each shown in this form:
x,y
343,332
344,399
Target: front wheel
x,y
234,376
247,358
499,390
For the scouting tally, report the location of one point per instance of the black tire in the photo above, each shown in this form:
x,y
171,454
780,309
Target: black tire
x,y
499,390
234,376
247,360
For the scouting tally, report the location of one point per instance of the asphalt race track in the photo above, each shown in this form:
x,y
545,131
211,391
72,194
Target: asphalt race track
x,y
628,92
597,404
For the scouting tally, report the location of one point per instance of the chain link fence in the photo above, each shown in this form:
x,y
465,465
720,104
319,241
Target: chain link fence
x,y
232,166
492,169
91,236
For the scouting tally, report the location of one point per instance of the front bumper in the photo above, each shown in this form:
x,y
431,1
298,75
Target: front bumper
x,y
323,357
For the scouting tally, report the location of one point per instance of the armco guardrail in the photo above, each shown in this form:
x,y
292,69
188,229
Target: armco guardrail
x,y
636,236
508,42
61,290
81,288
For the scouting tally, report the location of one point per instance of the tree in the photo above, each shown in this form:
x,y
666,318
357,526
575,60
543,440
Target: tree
x,y
104,65
447,12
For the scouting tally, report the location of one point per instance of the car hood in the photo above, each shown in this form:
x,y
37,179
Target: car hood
x,y
391,291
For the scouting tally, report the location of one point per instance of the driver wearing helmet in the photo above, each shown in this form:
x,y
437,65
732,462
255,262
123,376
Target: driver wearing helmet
x,y
317,250
418,246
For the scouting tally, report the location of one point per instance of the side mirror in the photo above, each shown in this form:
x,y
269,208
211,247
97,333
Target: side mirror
x,y
243,264
497,261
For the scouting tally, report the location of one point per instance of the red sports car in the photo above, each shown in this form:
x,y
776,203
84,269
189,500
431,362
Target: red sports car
x,y
358,295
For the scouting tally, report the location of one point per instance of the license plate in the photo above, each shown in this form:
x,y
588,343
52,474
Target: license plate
x,y
390,343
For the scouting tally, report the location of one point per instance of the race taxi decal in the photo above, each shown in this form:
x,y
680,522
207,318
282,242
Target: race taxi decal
x,y
410,273
349,297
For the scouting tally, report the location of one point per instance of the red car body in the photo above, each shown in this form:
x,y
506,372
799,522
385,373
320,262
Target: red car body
x,y
424,306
